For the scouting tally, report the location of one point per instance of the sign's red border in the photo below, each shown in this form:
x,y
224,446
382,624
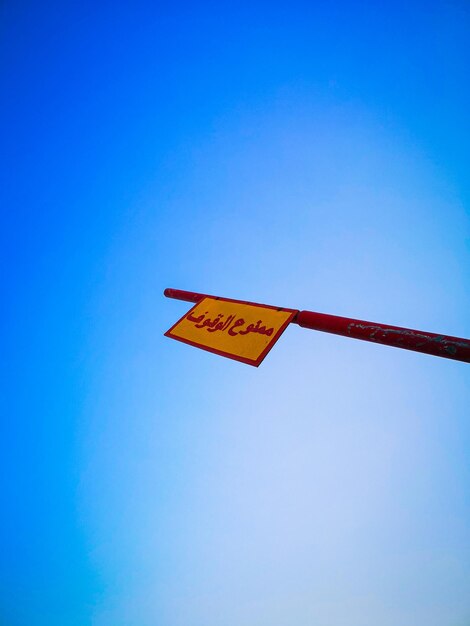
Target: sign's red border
x,y
254,362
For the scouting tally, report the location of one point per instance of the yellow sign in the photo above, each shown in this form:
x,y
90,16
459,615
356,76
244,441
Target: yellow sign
x,y
238,330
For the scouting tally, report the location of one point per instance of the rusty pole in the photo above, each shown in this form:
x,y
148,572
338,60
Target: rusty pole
x,y
430,343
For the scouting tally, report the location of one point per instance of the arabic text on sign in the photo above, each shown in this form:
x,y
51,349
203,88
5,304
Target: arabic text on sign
x,y
228,325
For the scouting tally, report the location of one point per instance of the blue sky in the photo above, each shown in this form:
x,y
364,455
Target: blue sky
x,y
309,155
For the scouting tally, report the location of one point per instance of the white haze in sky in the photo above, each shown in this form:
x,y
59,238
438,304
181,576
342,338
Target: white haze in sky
x,y
330,486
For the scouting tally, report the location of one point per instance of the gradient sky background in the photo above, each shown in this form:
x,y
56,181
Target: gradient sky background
x,y
311,155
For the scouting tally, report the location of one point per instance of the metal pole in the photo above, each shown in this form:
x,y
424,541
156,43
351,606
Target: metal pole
x,y
430,343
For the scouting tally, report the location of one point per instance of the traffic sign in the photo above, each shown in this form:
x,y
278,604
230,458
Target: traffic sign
x,y
252,344
238,330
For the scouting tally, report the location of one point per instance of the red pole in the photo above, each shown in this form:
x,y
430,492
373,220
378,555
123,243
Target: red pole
x,y
187,296
406,338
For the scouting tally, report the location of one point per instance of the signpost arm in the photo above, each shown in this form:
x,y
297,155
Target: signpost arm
x,y
187,296
430,343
